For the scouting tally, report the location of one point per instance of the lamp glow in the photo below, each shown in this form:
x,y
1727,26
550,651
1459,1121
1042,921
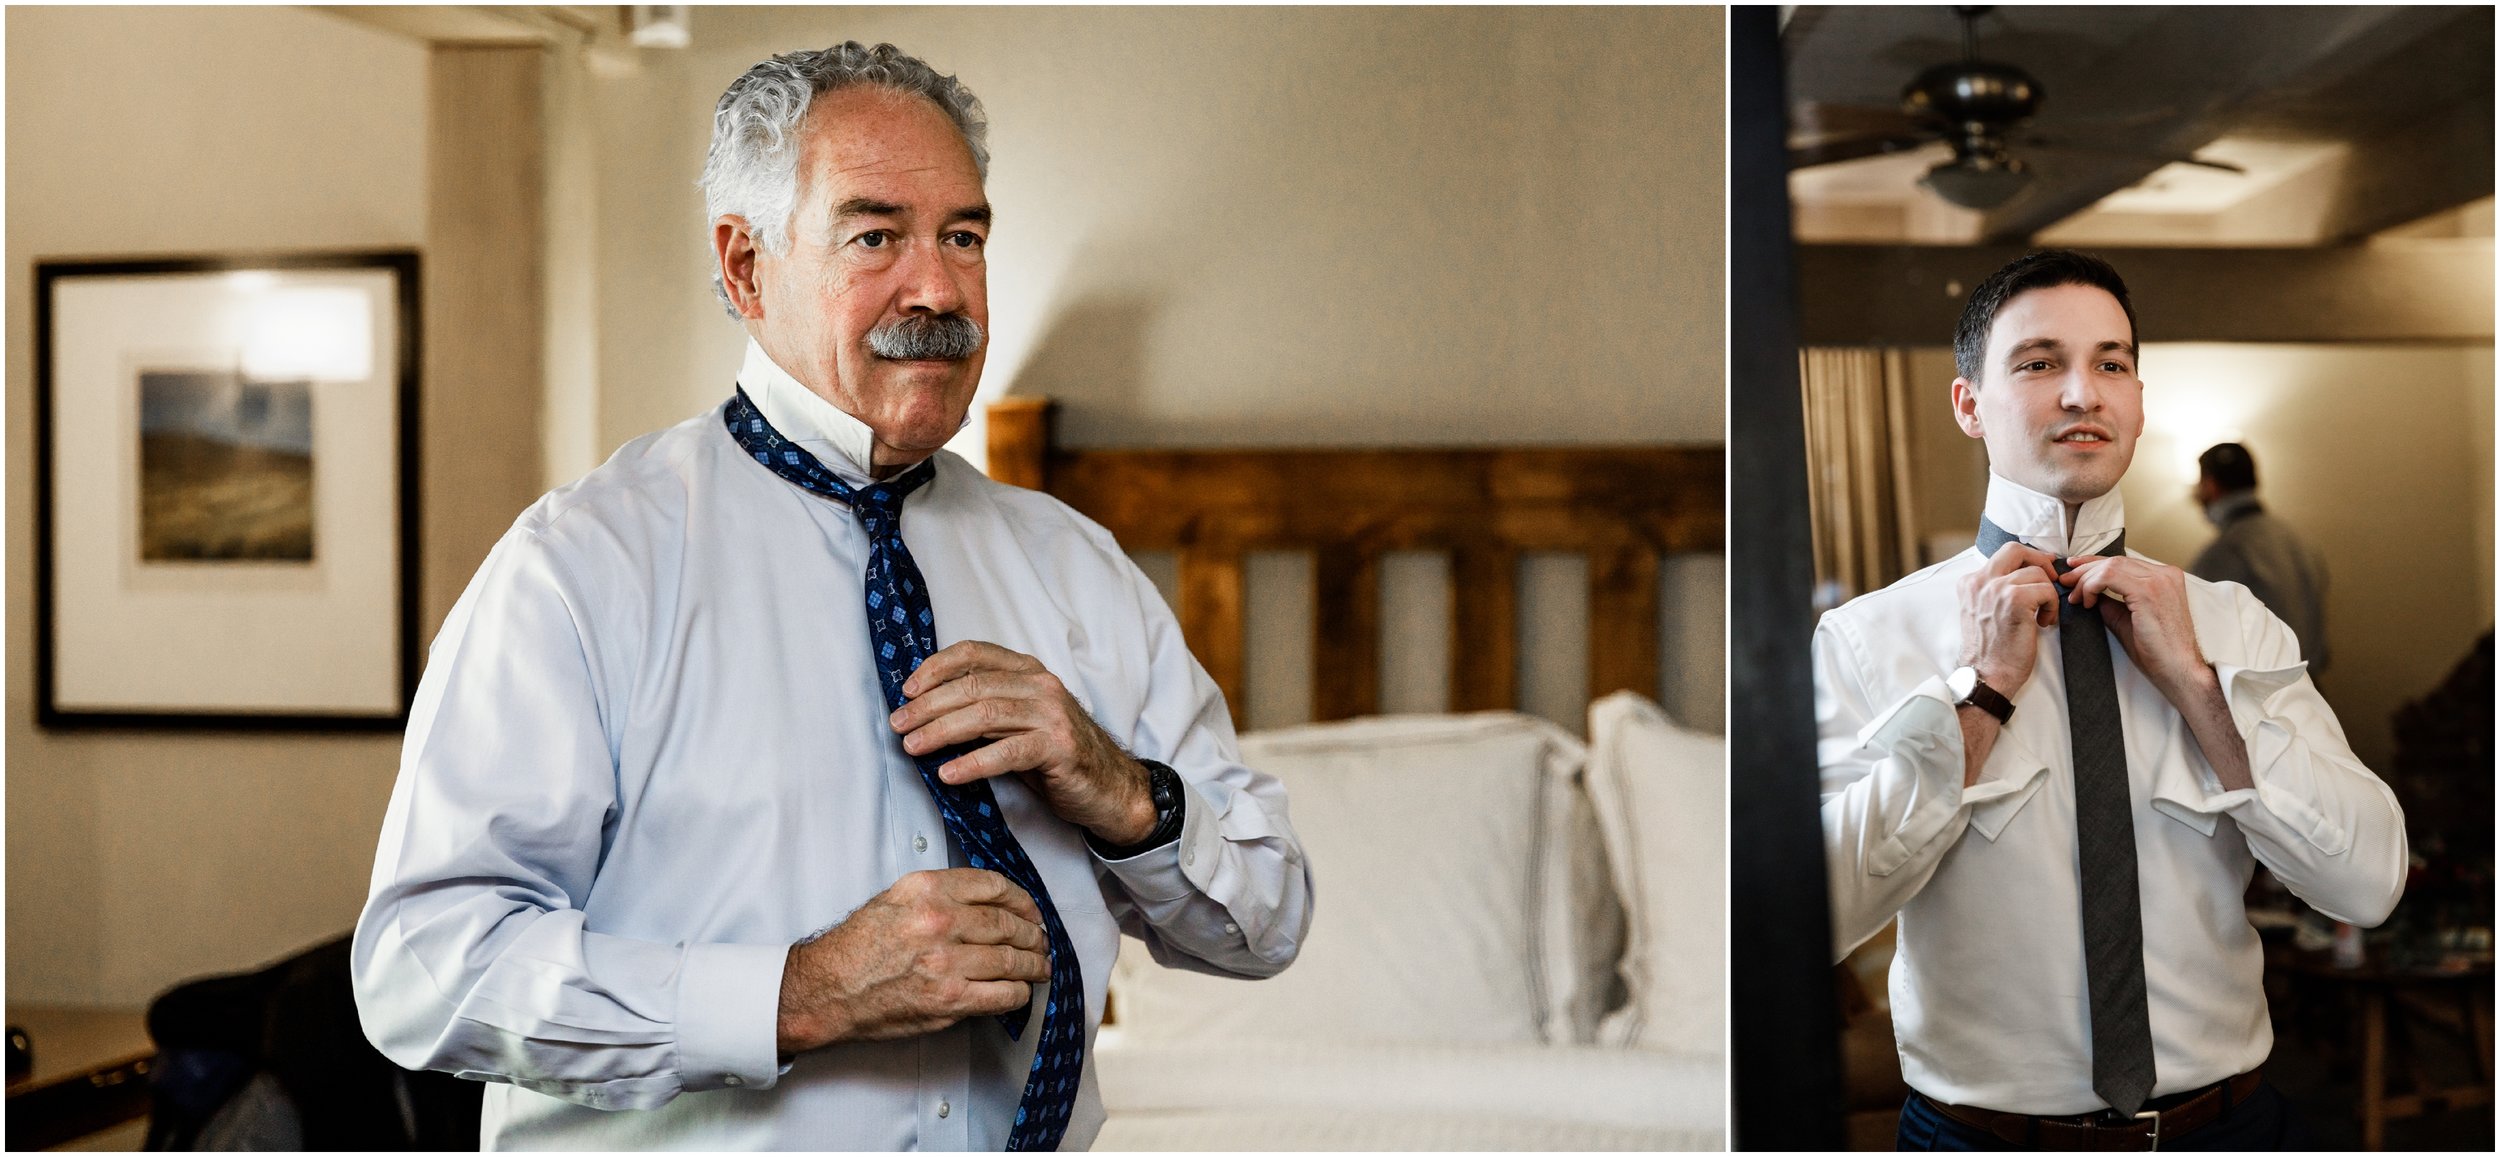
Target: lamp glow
x,y
323,334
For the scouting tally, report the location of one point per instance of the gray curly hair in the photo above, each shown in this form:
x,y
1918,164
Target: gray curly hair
x,y
752,168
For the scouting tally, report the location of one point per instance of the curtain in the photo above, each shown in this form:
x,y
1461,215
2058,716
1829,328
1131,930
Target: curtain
x,y
1858,470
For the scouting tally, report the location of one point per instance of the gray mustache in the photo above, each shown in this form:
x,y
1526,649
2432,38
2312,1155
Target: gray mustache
x,y
943,337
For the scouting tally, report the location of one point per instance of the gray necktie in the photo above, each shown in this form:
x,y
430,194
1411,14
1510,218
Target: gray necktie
x,y
2113,915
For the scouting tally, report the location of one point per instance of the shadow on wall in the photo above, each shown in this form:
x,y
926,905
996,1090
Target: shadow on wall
x,y
1091,358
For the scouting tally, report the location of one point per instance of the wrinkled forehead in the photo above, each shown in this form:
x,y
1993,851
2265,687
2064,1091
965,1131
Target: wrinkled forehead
x,y
870,133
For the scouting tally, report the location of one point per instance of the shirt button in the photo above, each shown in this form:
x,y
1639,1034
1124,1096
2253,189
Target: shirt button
x,y
944,1108
1231,928
920,843
1189,856
733,1080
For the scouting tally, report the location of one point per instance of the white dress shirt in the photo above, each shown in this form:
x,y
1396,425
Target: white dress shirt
x,y
1989,1000
649,753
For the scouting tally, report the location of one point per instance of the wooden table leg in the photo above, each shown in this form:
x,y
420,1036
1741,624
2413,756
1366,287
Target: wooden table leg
x,y
2478,1013
2373,1068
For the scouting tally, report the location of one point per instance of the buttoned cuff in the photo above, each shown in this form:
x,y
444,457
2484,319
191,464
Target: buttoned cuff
x,y
2281,779
728,1010
1922,735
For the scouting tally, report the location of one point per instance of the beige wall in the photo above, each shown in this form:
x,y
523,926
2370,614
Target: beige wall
x,y
2380,455
136,860
2375,454
1258,226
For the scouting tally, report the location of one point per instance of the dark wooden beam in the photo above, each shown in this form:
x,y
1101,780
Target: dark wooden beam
x,y
1912,294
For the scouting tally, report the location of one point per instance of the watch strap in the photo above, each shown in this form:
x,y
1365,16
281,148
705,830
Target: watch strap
x,y
1170,795
1990,700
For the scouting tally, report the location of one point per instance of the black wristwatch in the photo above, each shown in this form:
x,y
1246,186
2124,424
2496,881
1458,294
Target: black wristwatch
x,y
1969,690
1164,786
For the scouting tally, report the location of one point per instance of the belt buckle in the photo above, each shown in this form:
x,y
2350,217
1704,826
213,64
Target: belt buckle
x,y
2156,1137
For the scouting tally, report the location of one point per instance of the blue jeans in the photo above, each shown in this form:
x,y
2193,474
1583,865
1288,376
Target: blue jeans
x,y
2263,1122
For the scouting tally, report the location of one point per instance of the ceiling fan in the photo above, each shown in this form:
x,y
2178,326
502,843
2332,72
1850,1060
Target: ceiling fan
x,y
1977,106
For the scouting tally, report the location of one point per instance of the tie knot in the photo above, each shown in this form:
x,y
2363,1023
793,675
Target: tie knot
x,y
880,502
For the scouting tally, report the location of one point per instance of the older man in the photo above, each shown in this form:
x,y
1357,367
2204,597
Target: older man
x,y
701,838
2058,763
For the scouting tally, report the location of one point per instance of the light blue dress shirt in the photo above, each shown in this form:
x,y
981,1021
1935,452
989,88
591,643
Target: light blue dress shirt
x,y
649,753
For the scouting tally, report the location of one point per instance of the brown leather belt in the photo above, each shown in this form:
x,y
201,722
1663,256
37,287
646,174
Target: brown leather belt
x,y
2101,1132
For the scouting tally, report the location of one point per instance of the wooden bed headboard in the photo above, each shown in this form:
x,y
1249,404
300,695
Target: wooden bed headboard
x,y
1621,506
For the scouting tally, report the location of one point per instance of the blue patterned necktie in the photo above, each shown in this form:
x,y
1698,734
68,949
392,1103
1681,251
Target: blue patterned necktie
x,y
2112,902
902,631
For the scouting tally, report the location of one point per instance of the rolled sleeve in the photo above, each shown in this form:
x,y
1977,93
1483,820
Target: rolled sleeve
x,y
1231,895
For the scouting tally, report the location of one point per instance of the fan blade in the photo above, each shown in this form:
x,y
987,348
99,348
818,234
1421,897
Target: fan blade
x,y
1814,120
2135,154
1850,149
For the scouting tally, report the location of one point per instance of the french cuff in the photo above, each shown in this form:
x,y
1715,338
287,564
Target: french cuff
x,y
1173,870
2283,783
1923,741
728,1004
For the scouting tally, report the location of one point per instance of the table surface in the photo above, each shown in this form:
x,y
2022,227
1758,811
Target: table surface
x,y
2376,970
70,1041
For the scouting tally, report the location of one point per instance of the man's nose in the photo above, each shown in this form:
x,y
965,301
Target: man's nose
x,y
931,283
2078,391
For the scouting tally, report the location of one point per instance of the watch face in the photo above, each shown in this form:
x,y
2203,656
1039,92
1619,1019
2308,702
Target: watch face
x,y
1960,682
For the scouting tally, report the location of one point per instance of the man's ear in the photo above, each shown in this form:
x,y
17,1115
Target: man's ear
x,y
733,249
1966,407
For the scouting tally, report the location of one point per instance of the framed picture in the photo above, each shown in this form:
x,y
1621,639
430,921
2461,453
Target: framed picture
x,y
226,508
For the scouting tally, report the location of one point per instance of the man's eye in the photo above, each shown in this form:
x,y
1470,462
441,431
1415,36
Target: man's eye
x,y
2034,366
874,239
961,239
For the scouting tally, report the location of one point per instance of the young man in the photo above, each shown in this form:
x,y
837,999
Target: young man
x,y
2058,764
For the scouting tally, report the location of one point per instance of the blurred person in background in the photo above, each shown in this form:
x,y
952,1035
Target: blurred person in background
x,y
2259,551
2058,763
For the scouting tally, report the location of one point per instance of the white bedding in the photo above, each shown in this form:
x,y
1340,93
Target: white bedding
x,y
1405,1096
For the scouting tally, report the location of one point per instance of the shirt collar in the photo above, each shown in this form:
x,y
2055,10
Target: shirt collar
x,y
843,443
2040,521
2227,509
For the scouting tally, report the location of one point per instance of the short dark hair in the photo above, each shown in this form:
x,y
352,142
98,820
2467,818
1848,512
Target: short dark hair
x,y
2229,466
2038,269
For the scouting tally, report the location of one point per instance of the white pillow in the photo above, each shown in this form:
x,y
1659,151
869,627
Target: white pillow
x,y
1583,921
1661,795
1425,836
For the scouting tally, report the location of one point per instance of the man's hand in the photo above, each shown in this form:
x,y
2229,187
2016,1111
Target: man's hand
x,y
975,690
2004,607
2145,605
936,948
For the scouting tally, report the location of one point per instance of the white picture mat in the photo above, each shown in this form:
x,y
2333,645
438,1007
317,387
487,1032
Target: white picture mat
x,y
218,637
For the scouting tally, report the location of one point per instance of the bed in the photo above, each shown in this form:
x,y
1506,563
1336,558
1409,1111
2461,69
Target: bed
x,y
1519,932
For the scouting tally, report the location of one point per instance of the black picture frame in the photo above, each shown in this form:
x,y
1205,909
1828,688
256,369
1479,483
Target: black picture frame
x,y
401,369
